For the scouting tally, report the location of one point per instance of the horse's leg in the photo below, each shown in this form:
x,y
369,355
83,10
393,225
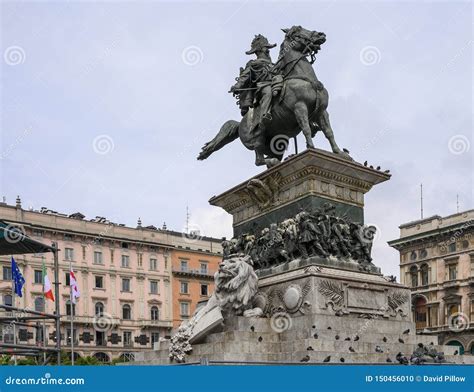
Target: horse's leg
x,y
323,122
301,113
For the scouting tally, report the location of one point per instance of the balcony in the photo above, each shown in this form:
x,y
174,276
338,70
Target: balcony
x,y
156,324
194,273
113,321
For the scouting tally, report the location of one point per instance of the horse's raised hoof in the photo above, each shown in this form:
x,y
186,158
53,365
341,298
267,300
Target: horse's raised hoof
x,y
270,162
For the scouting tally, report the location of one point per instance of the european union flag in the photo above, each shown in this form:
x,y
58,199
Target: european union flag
x,y
17,277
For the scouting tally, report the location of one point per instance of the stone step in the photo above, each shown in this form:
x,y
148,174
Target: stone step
x,y
364,336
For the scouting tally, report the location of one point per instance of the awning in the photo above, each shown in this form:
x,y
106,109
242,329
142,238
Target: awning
x,y
13,241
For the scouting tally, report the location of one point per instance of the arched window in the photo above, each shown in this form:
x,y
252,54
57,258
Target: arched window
x,y
155,313
423,253
7,300
99,309
424,275
102,357
413,255
39,304
414,276
68,309
126,312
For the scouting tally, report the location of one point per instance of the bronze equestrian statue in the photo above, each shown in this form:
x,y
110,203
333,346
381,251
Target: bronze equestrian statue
x,y
278,101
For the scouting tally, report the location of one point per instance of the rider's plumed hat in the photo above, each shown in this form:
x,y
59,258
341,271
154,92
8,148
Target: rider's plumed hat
x,y
258,43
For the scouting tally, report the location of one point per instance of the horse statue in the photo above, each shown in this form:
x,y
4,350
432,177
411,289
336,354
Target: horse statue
x,y
299,105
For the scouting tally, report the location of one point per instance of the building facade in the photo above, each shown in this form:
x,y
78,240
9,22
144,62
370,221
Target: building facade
x,y
437,262
192,281
124,275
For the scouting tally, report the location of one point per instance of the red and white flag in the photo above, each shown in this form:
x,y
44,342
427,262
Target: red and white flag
x,y
74,288
47,288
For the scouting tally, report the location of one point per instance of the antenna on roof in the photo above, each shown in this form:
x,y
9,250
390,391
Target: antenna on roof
x,y
188,215
421,200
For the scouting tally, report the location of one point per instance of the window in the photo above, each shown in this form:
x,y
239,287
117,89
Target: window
x,y
98,257
124,245
413,255
184,266
127,338
423,253
153,287
68,309
38,276
99,309
68,335
452,271
204,268
154,313
8,300
126,285
38,233
68,279
184,309
69,254
100,338
424,274
68,237
204,289
99,282
452,247
155,337
126,312
184,288
414,276
465,244
153,264
39,304
125,261
7,273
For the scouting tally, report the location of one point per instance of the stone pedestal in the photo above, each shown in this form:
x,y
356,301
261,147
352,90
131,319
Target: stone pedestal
x,y
305,181
315,309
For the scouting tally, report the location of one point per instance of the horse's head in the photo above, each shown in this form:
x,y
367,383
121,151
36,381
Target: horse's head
x,y
305,41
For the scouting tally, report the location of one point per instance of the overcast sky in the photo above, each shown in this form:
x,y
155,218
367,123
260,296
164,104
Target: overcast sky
x,y
105,105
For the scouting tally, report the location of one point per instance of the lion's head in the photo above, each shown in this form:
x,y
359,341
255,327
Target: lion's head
x,y
236,283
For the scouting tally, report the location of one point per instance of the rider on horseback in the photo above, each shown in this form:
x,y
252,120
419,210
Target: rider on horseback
x,y
253,87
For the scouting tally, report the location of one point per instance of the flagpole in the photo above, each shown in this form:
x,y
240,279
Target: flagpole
x,y
43,269
72,314
14,313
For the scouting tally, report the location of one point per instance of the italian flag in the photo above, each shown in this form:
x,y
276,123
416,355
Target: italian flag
x,y
47,288
74,289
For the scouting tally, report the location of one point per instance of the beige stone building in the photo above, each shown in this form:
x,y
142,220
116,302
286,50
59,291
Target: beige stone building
x,y
437,262
124,276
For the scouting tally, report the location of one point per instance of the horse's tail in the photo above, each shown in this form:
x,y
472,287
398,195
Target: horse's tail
x,y
228,133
